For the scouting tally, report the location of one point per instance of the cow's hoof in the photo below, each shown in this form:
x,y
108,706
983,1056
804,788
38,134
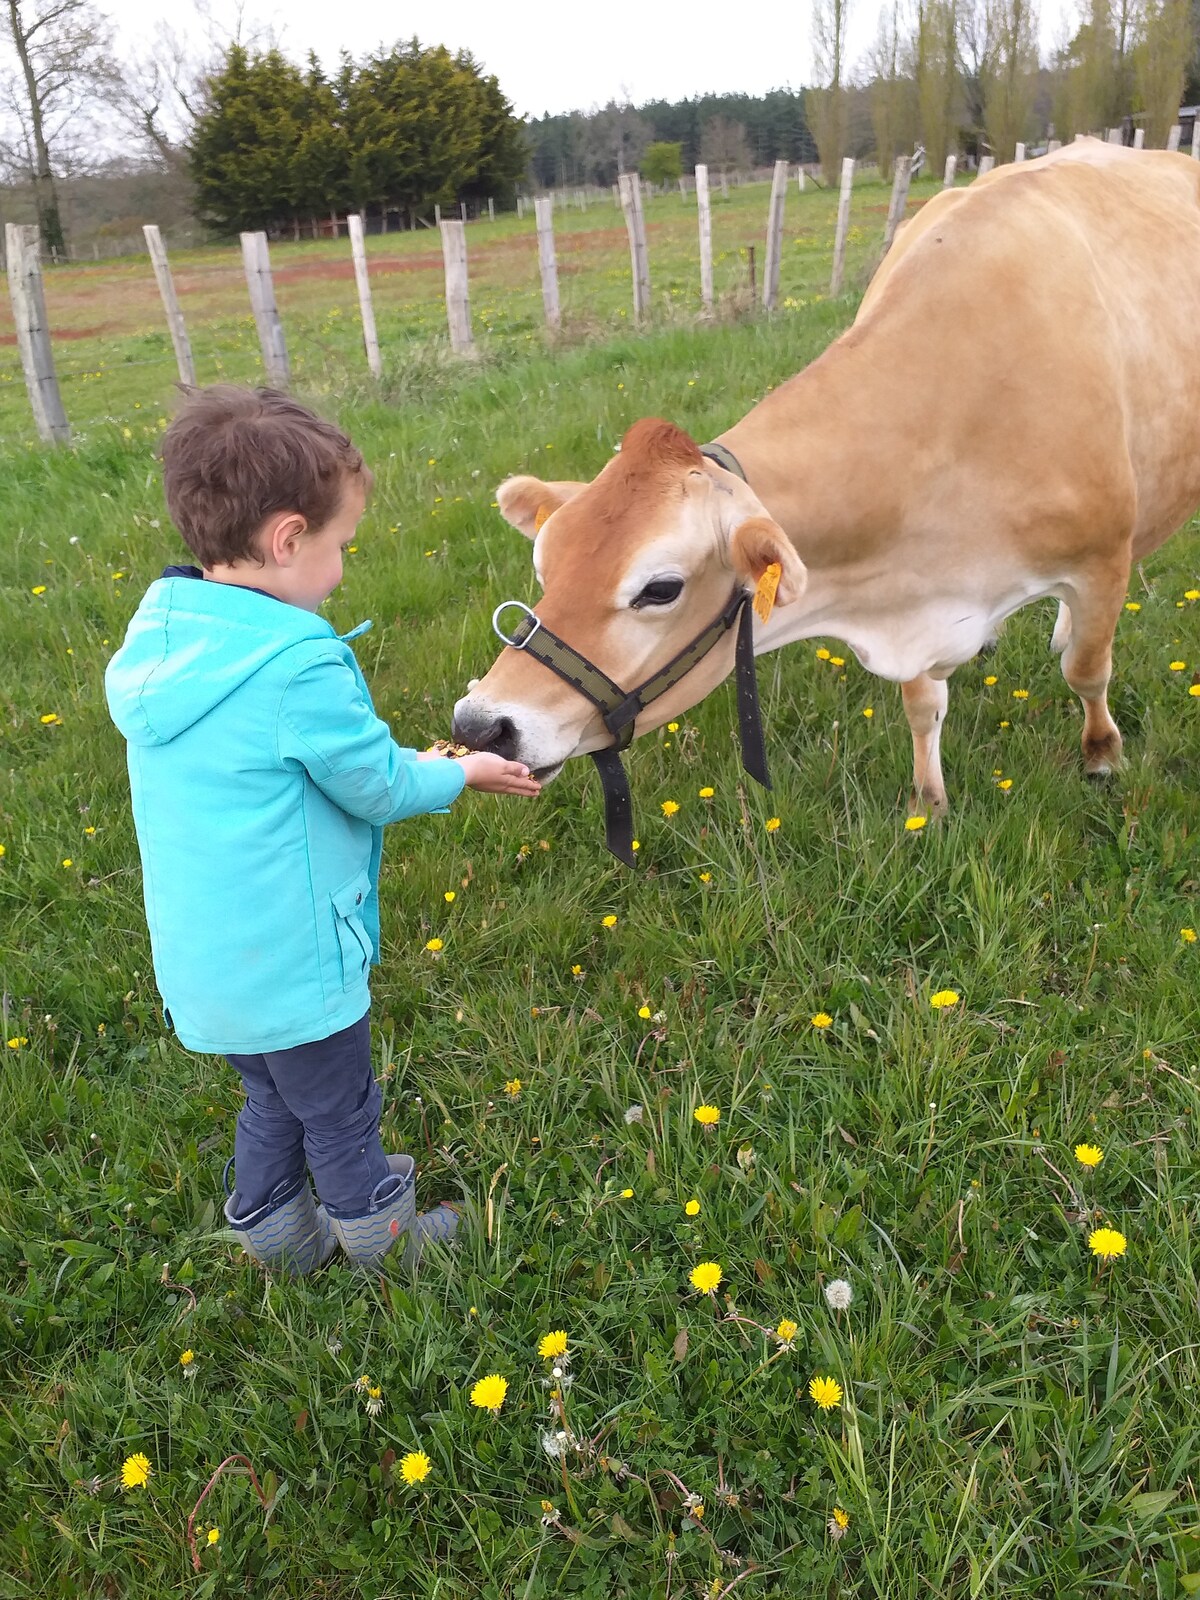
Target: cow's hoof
x,y
927,804
1102,757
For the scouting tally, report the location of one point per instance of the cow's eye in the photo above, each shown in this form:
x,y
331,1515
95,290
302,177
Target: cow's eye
x,y
659,593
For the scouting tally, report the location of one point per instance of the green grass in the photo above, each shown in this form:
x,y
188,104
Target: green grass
x,y
115,362
1016,1421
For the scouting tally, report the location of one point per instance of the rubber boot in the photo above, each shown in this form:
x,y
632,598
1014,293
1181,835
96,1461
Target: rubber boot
x,y
291,1233
393,1222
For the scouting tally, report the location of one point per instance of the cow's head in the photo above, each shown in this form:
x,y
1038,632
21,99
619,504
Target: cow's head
x,y
632,566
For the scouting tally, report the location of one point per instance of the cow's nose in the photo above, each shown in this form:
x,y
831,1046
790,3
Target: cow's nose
x,y
498,735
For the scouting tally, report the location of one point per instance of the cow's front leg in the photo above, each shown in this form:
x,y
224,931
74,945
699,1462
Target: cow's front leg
x,y
925,700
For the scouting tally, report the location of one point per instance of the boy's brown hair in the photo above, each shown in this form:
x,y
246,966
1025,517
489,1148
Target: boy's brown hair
x,y
233,457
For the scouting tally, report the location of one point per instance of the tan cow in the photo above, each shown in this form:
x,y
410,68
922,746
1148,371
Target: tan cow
x,y
1014,414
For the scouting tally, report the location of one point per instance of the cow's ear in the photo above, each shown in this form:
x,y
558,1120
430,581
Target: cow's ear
x,y
526,502
758,543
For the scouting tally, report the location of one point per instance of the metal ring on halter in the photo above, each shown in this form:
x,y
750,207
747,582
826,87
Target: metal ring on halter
x,y
516,644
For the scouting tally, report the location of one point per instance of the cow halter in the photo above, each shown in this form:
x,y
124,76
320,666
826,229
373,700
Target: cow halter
x,y
620,708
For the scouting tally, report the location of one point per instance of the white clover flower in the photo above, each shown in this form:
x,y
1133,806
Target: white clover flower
x,y
838,1294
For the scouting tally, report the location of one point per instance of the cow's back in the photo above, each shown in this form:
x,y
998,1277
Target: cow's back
x,y
1085,267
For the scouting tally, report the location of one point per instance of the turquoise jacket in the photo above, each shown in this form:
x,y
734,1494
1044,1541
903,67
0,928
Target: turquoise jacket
x,y
261,781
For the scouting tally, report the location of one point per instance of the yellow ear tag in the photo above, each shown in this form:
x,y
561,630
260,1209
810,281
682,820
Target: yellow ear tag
x,y
542,513
764,594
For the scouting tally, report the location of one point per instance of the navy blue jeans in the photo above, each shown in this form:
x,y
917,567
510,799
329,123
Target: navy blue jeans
x,y
316,1103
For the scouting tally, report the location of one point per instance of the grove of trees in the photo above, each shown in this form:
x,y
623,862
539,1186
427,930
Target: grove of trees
x,y
403,130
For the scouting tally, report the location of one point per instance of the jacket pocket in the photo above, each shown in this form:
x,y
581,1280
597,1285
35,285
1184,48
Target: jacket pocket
x,y
354,943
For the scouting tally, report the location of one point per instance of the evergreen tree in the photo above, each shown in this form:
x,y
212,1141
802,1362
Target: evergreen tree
x,y
247,139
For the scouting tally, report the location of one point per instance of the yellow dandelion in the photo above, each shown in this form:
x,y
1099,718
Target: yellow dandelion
x,y
841,1518
990,679
837,661
608,922
670,807
692,1209
944,999
787,1330
825,1392
1177,666
672,727
449,897
822,1020
512,1087
50,718
68,861
707,792
1188,935
1088,1155
577,971
705,1276
644,1012
16,1041
822,654
135,1471
915,824
213,1536
868,712
626,1194
41,589
414,1467
1005,784
433,944
187,1358
1194,689
707,1116
1191,594
706,877
488,1394
553,1344
1107,1243
772,824
1020,694
1132,605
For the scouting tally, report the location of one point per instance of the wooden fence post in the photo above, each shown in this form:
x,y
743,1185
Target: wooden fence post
x,y
491,209
1054,144
899,202
1113,136
986,163
779,183
166,288
951,169
1139,138
257,261
635,225
458,305
370,338
843,225
800,178
704,215
1196,138
1020,155
1174,136
21,246
547,261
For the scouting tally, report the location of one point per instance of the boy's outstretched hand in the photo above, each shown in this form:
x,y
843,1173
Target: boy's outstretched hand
x,y
493,775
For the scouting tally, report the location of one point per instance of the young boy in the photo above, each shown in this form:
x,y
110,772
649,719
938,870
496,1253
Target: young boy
x,y
262,780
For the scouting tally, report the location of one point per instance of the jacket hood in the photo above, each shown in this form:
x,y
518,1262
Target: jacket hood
x,y
191,644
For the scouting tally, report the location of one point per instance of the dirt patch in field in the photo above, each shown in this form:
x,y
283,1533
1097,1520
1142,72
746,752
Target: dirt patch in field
x,y
69,333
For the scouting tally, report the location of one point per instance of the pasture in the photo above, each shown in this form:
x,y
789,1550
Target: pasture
x,y
114,357
1015,1417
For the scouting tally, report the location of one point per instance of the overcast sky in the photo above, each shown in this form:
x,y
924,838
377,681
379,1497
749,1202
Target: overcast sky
x,y
560,56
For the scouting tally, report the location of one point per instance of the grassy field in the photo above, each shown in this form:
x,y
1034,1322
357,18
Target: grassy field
x,y
1015,1417
114,358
